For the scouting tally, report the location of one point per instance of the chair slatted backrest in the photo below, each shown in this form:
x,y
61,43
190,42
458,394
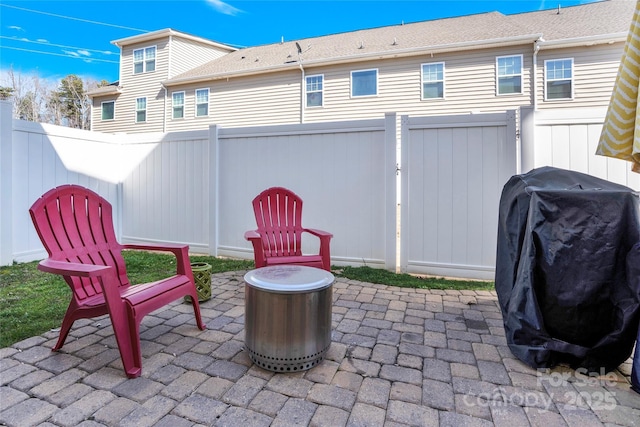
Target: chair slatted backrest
x,y
75,224
278,213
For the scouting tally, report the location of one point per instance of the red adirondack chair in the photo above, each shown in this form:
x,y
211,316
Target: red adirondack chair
x,y
76,228
278,238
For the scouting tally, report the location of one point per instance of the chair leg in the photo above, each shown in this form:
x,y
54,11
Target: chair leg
x,y
196,310
127,333
67,323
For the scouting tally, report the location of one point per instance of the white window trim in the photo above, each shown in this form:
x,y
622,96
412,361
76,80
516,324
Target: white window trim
x,y
146,109
422,82
114,110
144,60
571,79
362,71
195,96
174,105
315,91
511,75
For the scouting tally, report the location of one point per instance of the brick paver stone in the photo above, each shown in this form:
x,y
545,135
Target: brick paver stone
x,y
398,357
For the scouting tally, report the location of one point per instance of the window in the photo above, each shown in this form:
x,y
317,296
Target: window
x,y
364,83
108,110
141,110
177,99
202,102
144,60
509,74
314,90
433,81
558,78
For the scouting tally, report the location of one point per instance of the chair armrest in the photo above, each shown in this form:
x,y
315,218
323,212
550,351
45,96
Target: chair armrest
x,y
319,233
176,248
252,235
180,251
325,245
105,275
72,268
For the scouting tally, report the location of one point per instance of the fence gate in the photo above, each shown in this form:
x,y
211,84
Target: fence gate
x,y
453,171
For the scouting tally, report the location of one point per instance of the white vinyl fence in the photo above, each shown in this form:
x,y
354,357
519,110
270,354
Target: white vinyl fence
x,y
196,187
454,169
568,139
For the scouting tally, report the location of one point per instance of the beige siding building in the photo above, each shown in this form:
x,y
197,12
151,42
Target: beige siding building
x,y
560,58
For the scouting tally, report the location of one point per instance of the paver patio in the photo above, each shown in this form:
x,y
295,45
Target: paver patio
x,y
399,357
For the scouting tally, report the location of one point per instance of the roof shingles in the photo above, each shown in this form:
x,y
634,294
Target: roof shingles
x,y
603,18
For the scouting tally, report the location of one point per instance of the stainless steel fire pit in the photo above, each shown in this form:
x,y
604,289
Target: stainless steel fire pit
x,y
287,316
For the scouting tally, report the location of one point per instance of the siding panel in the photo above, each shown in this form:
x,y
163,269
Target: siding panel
x,y
595,71
187,54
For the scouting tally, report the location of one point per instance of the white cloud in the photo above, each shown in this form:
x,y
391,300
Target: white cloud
x,y
223,7
42,41
80,53
15,27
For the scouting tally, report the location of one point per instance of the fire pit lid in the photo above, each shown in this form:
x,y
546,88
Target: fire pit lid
x,y
289,278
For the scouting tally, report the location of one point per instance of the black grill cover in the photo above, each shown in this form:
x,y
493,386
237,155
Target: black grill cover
x,y
561,269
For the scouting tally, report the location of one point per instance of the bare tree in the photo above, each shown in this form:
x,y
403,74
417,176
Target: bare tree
x,y
5,92
74,103
29,95
65,103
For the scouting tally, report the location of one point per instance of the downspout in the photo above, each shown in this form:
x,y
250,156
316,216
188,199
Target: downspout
x,y
302,83
302,86
536,48
164,108
166,91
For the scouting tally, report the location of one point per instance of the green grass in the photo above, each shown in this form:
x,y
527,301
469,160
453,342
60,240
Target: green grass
x,y
375,275
33,302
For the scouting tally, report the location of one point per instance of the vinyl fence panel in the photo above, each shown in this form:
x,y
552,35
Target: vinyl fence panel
x,y
454,169
166,197
36,168
568,139
344,172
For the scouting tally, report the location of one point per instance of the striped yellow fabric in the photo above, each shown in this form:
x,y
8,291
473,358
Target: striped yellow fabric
x,y
620,136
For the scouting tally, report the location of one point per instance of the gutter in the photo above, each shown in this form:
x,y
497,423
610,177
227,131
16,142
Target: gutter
x,y
155,35
583,41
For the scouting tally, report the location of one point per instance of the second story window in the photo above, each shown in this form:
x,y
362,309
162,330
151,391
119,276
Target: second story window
x,y
202,102
558,77
433,81
144,60
364,83
509,74
177,101
108,110
314,90
141,110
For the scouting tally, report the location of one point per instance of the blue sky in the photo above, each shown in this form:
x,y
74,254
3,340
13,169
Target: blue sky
x,y
56,38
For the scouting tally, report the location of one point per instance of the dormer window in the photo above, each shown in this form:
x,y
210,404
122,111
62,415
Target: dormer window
x,y
144,60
